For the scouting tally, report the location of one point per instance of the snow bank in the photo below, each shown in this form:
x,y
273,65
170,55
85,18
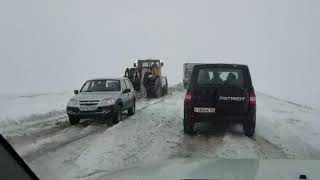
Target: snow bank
x,y
15,109
294,127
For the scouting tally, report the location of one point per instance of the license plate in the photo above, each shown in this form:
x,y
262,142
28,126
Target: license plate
x,y
88,108
204,110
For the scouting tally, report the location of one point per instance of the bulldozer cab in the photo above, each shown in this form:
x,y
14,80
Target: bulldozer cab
x,y
153,66
147,79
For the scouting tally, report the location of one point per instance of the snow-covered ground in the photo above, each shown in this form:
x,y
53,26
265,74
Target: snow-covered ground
x,y
56,150
294,127
13,107
27,109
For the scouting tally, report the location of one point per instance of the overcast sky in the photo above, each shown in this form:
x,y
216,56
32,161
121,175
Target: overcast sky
x,y
56,45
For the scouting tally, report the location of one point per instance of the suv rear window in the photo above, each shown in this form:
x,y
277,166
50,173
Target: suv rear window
x,y
220,76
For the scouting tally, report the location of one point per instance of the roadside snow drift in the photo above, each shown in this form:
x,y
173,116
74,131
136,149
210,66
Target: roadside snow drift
x,y
294,127
18,109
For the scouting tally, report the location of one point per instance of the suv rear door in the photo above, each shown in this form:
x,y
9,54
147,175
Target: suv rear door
x,y
222,87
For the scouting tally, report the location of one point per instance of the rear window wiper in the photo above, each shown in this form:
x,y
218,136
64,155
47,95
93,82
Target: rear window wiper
x,y
225,83
232,85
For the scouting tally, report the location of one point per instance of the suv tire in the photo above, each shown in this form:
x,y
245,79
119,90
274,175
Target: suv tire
x,y
188,127
249,128
74,120
109,122
132,110
117,114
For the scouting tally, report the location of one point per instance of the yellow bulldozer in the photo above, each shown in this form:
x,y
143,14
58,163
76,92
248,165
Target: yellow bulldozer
x,y
147,79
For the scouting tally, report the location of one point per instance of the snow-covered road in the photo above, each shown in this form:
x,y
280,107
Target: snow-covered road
x,y
56,150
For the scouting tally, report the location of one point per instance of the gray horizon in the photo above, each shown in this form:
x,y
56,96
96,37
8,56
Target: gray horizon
x,y
50,46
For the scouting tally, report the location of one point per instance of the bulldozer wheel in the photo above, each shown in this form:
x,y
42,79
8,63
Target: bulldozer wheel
x,y
165,91
154,89
157,88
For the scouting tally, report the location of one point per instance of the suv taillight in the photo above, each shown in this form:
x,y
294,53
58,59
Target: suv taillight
x,y
187,98
252,98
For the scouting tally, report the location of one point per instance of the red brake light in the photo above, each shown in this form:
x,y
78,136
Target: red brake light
x,y
252,98
188,97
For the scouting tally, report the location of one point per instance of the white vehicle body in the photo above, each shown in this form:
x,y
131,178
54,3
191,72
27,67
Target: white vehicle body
x,y
104,102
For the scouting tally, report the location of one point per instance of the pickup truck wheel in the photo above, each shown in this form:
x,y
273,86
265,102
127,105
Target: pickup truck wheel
x,y
132,110
117,114
188,127
249,128
74,120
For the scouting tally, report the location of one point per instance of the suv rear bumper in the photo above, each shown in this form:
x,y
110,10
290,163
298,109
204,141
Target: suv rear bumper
x,y
225,118
101,112
195,117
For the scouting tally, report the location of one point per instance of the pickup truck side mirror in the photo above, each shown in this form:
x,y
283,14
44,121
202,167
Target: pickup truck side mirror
x,y
76,92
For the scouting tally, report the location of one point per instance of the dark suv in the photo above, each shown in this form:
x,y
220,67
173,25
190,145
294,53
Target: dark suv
x,y
219,93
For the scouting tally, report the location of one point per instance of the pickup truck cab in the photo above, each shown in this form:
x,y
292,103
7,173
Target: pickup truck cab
x,y
104,98
220,93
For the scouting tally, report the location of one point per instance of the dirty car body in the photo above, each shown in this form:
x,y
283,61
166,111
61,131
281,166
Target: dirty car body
x,y
220,93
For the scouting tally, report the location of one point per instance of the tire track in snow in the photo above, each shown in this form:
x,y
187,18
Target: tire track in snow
x,y
154,133
228,144
36,142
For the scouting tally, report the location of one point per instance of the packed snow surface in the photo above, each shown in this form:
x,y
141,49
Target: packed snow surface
x,y
56,150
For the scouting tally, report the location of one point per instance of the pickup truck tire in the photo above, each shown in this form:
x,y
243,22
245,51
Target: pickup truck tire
x,y
116,117
249,128
188,127
74,120
132,110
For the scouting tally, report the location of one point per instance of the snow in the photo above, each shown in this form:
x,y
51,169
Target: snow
x,y
16,109
294,127
154,133
56,150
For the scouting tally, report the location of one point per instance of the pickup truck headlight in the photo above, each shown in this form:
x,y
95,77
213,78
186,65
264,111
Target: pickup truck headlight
x,y
73,103
107,102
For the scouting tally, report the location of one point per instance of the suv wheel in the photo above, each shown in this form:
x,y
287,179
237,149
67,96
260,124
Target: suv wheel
x,y
188,127
74,120
132,110
117,114
109,121
249,128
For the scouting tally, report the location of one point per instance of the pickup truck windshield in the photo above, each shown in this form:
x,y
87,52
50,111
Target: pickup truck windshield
x,y
220,76
101,85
